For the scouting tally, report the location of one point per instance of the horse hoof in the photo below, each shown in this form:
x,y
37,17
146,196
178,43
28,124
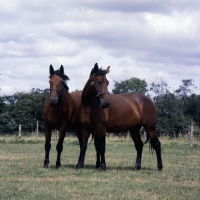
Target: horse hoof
x,y
102,167
160,167
46,164
97,165
58,164
137,167
79,166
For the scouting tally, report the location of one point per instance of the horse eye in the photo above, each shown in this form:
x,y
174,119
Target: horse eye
x,y
99,82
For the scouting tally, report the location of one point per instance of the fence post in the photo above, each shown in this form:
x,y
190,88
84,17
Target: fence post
x,y
37,130
20,131
190,133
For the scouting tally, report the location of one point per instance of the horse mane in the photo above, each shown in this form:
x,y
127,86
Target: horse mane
x,y
58,73
84,97
97,71
65,86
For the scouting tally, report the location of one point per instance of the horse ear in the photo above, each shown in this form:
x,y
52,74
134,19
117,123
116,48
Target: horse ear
x,y
61,69
51,69
108,69
96,68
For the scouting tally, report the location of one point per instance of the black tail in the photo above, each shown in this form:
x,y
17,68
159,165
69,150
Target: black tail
x,y
147,139
92,137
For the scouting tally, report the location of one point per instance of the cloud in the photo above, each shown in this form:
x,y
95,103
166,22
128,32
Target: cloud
x,y
144,39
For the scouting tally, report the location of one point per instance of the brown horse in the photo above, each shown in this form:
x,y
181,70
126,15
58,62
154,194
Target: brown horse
x,y
101,112
60,111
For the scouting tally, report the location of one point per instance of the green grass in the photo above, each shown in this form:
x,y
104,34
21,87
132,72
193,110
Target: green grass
x,y
22,175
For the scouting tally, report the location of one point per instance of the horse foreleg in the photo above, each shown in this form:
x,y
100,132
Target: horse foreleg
x,y
139,147
59,148
101,146
47,147
97,153
83,140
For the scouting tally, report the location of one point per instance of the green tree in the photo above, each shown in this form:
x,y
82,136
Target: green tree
x,y
7,124
187,88
2,105
170,118
130,85
160,87
193,108
24,108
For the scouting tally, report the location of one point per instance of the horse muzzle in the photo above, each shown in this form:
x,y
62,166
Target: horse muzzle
x,y
53,101
104,103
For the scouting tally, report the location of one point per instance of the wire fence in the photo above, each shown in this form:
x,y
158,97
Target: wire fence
x,y
38,129
24,129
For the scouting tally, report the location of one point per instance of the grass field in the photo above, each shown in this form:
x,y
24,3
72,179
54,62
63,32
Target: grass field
x,y
22,175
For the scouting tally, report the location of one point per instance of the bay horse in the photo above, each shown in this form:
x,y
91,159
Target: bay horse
x,y
101,112
60,111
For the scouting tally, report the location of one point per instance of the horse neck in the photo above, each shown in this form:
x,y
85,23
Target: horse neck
x,y
87,95
65,98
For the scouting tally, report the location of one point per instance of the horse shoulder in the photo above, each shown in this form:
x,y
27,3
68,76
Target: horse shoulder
x,y
84,115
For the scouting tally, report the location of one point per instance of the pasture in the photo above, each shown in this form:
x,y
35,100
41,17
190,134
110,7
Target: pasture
x,y
22,175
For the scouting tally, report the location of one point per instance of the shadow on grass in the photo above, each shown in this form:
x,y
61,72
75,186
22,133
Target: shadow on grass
x,y
108,168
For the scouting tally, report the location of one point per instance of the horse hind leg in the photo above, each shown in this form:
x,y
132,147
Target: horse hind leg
x,y
135,135
155,144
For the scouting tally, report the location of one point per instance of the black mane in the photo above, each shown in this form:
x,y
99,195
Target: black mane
x,y
97,71
58,73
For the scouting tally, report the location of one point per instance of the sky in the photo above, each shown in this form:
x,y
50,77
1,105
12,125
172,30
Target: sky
x,y
147,39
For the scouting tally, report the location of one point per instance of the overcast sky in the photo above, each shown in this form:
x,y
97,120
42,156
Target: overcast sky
x,y
147,39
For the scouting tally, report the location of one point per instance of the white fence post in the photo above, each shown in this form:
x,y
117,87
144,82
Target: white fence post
x,y
20,131
190,133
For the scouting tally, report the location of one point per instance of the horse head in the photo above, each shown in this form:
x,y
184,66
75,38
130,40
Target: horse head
x,y
99,85
57,83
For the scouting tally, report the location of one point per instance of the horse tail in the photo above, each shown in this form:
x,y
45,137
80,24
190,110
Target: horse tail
x,y
144,133
151,149
92,137
146,139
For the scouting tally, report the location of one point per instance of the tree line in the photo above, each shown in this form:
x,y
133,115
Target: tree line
x,y
176,109
22,108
